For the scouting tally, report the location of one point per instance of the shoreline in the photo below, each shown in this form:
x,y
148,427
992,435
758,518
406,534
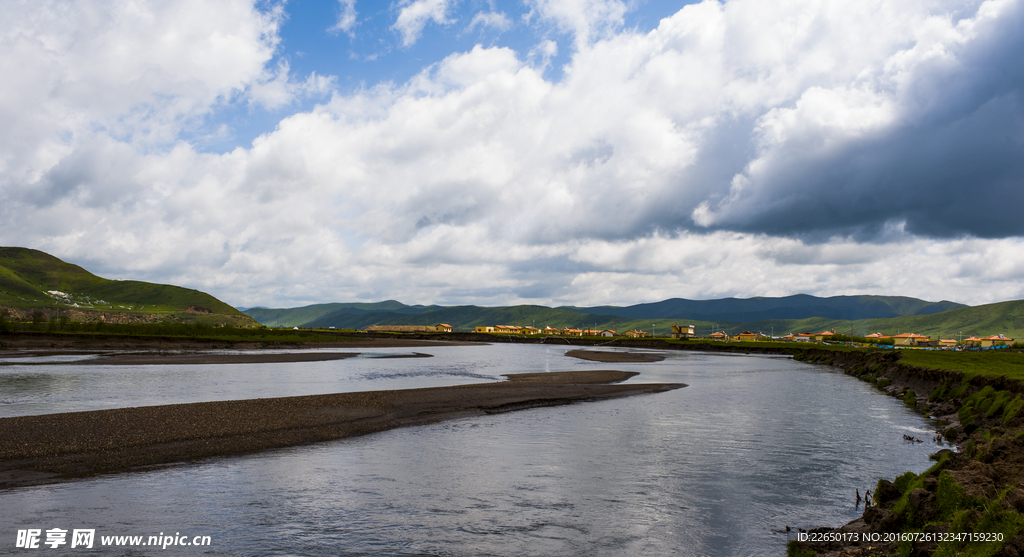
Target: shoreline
x,y
977,486
52,448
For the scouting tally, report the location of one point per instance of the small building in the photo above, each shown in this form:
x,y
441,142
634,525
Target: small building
x,y
682,331
572,332
485,329
947,343
747,336
824,335
803,337
551,331
591,332
637,333
401,328
995,341
443,328
607,333
530,331
910,339
719,335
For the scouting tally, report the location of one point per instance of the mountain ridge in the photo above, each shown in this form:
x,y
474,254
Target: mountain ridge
x,y
918,315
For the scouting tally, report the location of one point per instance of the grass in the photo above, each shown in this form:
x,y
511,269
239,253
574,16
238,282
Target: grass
x,y
987,362
27,275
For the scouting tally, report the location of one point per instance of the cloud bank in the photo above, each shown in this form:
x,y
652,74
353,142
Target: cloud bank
x,y
741,148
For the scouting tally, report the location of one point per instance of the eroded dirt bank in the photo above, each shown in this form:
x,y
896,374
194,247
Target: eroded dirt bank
x,y
52,447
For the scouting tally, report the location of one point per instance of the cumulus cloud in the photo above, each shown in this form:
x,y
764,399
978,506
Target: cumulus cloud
x,y
926,136
738,149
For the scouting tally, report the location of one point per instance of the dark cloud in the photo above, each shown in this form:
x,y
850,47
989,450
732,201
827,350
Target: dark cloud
x,y
953,165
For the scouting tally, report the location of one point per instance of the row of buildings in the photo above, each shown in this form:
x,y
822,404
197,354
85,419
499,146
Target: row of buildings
x,y
911,339
550,331
687,331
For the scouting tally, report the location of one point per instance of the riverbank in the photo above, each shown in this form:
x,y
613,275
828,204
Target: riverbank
x,y
55,447
976,490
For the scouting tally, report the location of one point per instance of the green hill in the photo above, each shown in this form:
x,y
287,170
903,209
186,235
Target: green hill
x,y
799,306
989,319
31,279
919,317
302,316
739,312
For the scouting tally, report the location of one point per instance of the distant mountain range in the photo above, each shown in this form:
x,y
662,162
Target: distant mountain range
x,y
800,306
857,314
31,279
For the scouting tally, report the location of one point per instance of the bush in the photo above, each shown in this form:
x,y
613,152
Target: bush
x,y
38,319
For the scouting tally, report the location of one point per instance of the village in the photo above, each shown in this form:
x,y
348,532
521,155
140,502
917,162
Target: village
x,y
899,340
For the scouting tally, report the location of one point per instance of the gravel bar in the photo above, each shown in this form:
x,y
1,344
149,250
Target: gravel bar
x,y
55,447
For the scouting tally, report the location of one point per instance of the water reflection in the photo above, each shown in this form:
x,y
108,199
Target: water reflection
x,y
718,468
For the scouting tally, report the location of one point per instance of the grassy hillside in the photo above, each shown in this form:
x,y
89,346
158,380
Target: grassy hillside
x,y
990,319
301,316
800,306
32,279
736,314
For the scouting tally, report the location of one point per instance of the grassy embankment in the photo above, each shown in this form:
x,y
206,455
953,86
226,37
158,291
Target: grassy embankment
x,y
978,490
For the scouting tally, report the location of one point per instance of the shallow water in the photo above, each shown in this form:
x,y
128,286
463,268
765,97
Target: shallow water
x,y
752,445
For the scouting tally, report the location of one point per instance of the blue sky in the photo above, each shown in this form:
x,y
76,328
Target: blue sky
x,y
557,152
372,50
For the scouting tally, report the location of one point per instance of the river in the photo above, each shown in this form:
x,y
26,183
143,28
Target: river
x,y
719,468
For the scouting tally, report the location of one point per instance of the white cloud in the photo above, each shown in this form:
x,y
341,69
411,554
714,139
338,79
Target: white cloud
x,y
542,53
493,20
414,16
346,18
739,149
275,90
587,20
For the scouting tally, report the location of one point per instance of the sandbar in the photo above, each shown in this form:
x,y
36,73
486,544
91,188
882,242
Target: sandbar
x,y
56,447
615,357
136,359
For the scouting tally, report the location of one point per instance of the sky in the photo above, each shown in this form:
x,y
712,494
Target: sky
x,y
553,152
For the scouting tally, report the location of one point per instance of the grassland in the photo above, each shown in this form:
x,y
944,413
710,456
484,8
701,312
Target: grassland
x,y
987,362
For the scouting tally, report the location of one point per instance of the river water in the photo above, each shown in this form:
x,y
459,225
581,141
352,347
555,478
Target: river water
x,y
721,467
